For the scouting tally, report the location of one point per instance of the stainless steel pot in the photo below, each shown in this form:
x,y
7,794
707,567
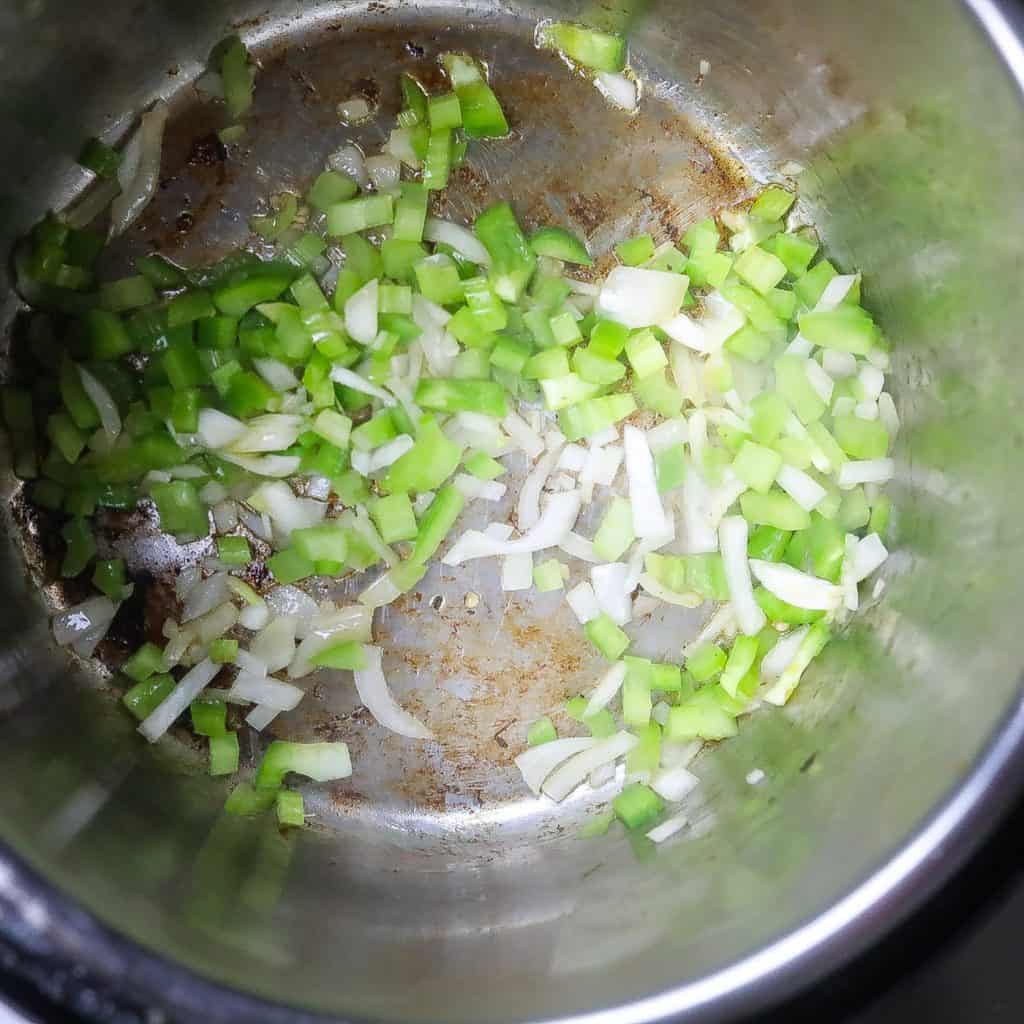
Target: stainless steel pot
x,y
450,898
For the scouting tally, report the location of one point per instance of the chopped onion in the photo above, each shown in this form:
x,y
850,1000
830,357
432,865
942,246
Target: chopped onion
x,y
528,505
485,490
722,498
838,364
274,466
350,379
866,410
687,372
361,313
733,538
537,763
649,519
668,434
700,535
803,489
349,160
610,582
573,458
870,554
84,625
522,435
378,700
286,511
835,292
217,429
354,110
641,298
674,784
774,663
517,572
847,584
327,629
188,688
583,602
139,177
799,346
555,523
820,381
575,771
274,645
656,589
289,600
363,525
110,418
389,453
796,588
619,90
607,687
579,547
679,755
668,828
215,623
277,375
888,415
382,591
868,471
260,717
385,172
461,239
266,691
271,433
205,595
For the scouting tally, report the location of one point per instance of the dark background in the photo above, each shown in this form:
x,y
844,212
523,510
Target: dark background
x,y
955,962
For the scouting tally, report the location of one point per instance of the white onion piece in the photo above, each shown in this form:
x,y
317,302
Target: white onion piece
x,y
499,531
867,471
607,687
537,763
888,415
351,379
732,536
575,771
483,490
517,572
603,465
795,587
803,489
349,160
684,330
522,435
354,110
641,298
838,364
249,662
674,784
273,432
656,589
382,591
870,555
844,406
799,346
720,499
225,515
610,583
217,429
461,239
352,623
573,458
388,454
110,418
275,466
528,505
288,600
668,828
679,755
385,172
215,623
267,691
820,381
620,91
84,625
649,519
139,179
866,410
378,700
274,645
579,547
278,376
835,292
847,584
602,775
205,595
286,511
668,434
363,525
260,717
660,713
583,602
687,372
872,381
361,313
774,663
254,617
587,288
701,537
188,688
555,522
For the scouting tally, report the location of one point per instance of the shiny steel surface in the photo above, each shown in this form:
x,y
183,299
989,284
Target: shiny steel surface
x,y
431,889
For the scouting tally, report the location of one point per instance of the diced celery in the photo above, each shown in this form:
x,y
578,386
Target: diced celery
x,y
601,51
772,204
757,466
542,731
615,534
394,517
760,269
611,641
559,244
774,509
635,251
637,806
706,662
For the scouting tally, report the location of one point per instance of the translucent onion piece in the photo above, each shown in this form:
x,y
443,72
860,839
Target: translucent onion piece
x,y
138,188
795,587
461,239
608,686
537,763
732,536
575,771
84,625
378,700
110,418
188,688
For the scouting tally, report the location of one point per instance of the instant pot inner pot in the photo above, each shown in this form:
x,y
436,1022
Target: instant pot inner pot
x,y
431,887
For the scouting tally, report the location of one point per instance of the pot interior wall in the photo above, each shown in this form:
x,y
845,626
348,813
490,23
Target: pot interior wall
x,y
435,892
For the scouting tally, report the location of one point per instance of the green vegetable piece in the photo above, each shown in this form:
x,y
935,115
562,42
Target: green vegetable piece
x,y
774,509
223,651
699,717
767,543
348,655
861,439
320,761
237,76
636,692
126,293
108,338
706,662
772,204
843,329
635,251
512,260
794,386
637,806
611,641
109,577
481,396
757,466
645,758
234,550
146,661
395,518
778,610
548,576
760,269
224,754
615,534
289,566
324,543
645,353
436,523
145,697
101,159
291,810
670,468
741,660
181,511
209,717
559,244
601,51
66,437
246,800
542,731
